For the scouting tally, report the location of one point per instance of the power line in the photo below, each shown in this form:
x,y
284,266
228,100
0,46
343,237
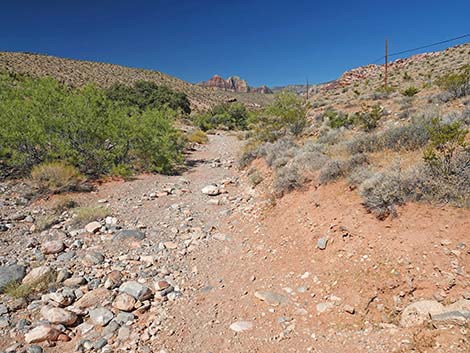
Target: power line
x,y
422,47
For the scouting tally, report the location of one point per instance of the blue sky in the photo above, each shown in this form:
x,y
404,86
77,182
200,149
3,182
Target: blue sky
x,y
266,42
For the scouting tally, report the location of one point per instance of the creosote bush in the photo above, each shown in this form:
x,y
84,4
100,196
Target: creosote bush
x,y
456,83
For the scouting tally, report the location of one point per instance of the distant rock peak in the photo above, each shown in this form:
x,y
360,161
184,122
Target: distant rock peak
x,y
233,84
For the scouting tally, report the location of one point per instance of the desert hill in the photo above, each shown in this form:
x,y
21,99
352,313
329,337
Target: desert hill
x,y
79,72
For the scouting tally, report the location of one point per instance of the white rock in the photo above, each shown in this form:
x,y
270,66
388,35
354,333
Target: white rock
x,y
93,227
211,190
240,326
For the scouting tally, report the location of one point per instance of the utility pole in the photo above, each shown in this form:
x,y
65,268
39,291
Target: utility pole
x,y
386,63
307,88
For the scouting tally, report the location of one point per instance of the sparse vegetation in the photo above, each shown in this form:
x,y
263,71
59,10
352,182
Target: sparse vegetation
x,y
456,83
197,136
85,215
411,91
56,177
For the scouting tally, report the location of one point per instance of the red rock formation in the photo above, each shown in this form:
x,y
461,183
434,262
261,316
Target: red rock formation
x,y
233,84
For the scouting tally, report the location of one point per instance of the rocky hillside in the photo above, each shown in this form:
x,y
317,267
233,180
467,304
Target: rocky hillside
x,y
78,73
233,84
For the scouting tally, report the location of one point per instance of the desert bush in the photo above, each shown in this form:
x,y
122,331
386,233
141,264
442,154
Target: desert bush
x,y
408,137
363,143
446,140
231,116
56,177
286,180
43,121
383,192
453,187
410,91
197,136
456,83
122,171
255,177
285,116
338,120
335,169
148,95
369,117
330,136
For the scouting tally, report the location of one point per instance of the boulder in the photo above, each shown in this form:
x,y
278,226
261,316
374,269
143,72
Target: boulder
x,y
52,247
42,333
58,316
10,274
37,274
101,316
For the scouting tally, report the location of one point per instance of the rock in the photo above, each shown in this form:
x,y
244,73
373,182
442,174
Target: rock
x,y
66,257
211,190
58,316
74,282
94,258
123,333
3,309
113,279
323,307
240,326
129,234
124,302
161,285
321,243
34,349
170,245
416,313
271,298
452,317
62,299
52,247
93,227
124,318
10,274
100,343
136,290
42,333
37,274
101,316
349,309
93,298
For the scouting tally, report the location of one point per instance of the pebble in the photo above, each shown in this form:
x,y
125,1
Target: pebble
x,y
240,326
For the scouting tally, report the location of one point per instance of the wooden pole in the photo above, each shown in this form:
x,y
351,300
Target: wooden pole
x,y
307,88
386,63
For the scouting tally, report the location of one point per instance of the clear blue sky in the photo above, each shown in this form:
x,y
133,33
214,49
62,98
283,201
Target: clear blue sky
x,y
266,42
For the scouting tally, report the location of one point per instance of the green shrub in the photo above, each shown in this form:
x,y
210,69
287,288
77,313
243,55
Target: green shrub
x,y
285,116
338,120
43,121
56,177
123,171
445,140
231,116
369,117
456,83
148,95
410,91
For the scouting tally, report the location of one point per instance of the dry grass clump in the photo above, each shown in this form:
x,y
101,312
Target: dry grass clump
x,y
83,215
56,177
198,136
335,169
